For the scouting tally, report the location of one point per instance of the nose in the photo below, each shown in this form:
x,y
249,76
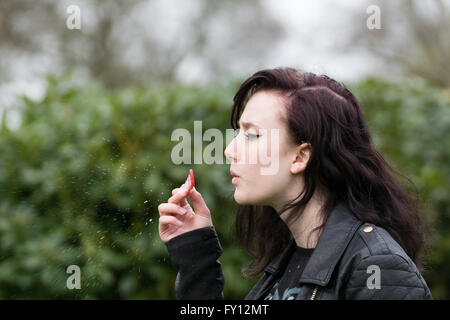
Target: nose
x,y
229,151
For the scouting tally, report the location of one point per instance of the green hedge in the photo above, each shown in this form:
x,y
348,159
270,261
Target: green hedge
x,y
83,174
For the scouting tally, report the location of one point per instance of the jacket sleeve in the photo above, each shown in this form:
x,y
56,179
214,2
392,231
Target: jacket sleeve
x,y
195,254
386,277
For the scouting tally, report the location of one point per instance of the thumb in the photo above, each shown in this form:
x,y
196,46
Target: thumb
x,y
198,203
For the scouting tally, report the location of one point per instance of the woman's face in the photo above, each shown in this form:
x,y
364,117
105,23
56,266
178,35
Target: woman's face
x,y
262,155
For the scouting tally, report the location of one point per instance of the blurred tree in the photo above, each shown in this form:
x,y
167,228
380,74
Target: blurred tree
x,y
414,38
127,42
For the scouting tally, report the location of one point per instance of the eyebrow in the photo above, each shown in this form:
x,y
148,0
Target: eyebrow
x,y
247,124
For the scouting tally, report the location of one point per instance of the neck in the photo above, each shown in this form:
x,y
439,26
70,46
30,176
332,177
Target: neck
x,y
301,228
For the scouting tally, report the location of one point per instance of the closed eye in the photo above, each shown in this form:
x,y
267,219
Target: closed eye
x,y
247,134
252,136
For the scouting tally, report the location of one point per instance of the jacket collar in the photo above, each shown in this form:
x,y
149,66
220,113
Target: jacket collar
x,y
339,228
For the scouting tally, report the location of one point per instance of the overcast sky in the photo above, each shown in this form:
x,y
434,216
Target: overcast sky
x,y
322,23
313,29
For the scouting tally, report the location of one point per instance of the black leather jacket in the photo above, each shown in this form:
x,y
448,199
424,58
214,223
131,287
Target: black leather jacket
x,y
348,255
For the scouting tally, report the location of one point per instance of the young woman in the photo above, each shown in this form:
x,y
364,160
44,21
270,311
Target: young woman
x,y
329,222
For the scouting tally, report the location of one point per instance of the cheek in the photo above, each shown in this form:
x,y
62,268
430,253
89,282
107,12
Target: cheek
x,y
278,178
268,150
257,189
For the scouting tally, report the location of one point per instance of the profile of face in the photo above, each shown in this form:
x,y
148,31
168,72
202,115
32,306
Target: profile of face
x,y
269,164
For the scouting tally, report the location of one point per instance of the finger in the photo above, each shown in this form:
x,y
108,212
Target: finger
x,y
198,203
183,202
179,196
169,220
170,208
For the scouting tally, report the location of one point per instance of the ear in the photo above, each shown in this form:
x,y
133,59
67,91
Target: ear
x,y
302,154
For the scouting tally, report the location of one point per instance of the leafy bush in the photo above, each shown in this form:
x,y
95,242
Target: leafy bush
x,y
83,174
81,180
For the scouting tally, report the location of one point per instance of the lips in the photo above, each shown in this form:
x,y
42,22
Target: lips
x,y
235,177
234,174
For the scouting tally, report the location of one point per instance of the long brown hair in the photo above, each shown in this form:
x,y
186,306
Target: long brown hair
x,y
325,114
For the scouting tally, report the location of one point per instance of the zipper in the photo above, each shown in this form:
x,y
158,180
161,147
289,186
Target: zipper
x,y
314,293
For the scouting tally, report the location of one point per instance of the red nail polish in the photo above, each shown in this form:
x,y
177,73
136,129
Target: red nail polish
x,y
190,180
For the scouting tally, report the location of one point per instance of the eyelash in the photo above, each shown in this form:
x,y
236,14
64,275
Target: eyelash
x,y
249,135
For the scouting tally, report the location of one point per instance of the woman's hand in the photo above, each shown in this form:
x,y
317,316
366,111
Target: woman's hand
x,y
177,217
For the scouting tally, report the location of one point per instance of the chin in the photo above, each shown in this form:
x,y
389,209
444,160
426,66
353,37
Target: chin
x,y
241,200
245,200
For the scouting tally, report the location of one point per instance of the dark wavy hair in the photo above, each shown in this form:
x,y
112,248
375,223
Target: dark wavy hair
x,y
326,114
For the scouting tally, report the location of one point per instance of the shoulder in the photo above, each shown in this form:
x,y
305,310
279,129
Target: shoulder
x,y
378,267
374,241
